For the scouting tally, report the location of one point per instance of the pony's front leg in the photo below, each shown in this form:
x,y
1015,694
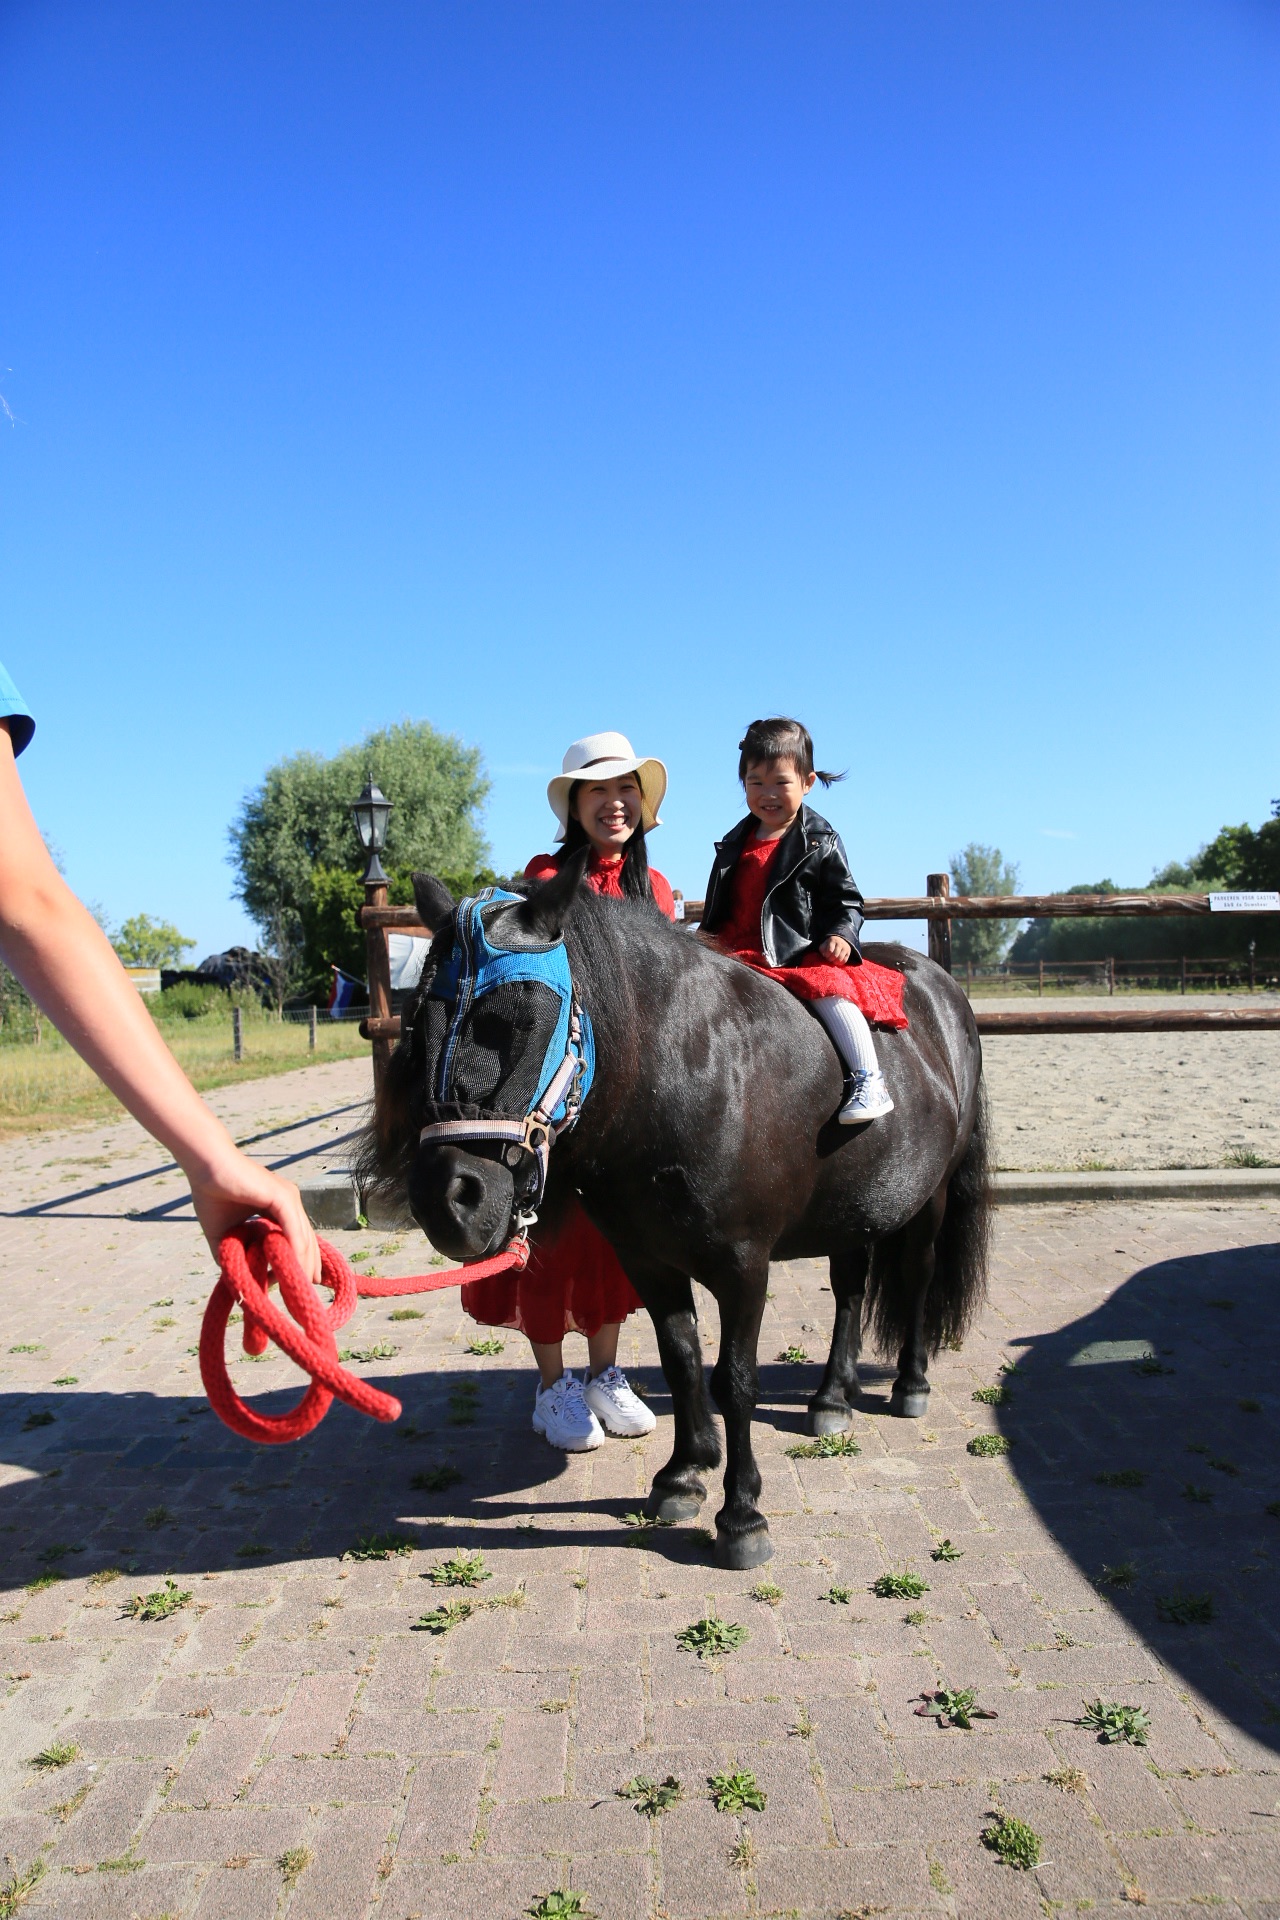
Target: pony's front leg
x,y
742,1532
831,1408
678,1490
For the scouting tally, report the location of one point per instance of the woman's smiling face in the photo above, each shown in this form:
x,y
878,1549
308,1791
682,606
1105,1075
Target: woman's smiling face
x,y
609,810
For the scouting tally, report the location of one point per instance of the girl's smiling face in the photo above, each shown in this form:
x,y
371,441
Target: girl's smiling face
x,y
609,811
775,794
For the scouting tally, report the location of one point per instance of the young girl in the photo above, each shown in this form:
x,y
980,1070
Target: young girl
x,y
782,898
608,799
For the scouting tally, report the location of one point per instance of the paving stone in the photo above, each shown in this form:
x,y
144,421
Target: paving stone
x,y
439,1742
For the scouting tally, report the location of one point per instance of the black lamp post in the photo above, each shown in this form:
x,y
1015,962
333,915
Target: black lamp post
x,y
370,813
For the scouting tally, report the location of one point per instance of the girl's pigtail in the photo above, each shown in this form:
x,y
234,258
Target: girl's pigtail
x,y
829,779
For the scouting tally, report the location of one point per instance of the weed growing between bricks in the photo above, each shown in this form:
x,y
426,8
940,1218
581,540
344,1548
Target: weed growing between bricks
x,y
1013,1842
652,1797
736,1792
19,1888
903,1585
1113,1723
711,1635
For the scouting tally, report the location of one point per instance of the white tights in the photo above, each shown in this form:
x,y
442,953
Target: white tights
x,y
848,1028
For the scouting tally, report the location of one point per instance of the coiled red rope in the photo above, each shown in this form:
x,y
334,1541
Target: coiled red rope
x,y
257,1256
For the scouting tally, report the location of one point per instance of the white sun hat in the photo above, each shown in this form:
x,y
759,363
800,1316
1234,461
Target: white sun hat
x,y
604,756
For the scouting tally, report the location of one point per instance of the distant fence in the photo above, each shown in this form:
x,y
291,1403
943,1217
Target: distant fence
x,y
939,907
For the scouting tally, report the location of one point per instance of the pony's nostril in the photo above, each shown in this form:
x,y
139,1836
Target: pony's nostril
x,y
464,1194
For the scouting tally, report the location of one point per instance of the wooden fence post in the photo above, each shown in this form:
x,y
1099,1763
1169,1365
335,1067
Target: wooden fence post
x,y
378,968
938,887
237,1035
311,1028
1041,991
1111,973
1184,973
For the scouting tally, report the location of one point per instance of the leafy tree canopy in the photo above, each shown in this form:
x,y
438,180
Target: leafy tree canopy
x,y
144,942
978,869
294,847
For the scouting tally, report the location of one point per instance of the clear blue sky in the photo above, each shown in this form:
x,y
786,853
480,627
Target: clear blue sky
x,y
541,369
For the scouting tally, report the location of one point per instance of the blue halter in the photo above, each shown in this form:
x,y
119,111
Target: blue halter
x,y
474,968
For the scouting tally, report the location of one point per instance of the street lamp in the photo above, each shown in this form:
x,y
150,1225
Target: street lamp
x,y
370,814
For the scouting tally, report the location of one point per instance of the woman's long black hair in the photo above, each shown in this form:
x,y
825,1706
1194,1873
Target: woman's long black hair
x,y
635,858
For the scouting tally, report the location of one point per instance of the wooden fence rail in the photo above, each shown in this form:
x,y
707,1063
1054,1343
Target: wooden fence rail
x,y
939,907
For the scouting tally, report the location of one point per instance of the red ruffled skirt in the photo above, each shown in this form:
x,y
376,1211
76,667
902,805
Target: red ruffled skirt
x,y
877,990
574,1283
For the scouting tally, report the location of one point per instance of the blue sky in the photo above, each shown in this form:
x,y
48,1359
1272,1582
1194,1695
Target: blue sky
x,y
537,370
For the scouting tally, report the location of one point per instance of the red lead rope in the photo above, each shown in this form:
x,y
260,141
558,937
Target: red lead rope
x,y
257,1256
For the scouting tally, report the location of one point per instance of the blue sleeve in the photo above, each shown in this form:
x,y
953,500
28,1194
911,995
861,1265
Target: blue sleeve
x,y
15,710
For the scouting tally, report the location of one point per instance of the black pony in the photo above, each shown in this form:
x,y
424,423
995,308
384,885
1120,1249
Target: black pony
x,y
706,1148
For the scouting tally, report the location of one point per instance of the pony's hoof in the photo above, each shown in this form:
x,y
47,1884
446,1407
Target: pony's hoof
x,y
911,1405
742,1550
674,1507
822,1420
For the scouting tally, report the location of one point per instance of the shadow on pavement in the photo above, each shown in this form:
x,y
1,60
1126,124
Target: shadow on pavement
x,y
1170,1385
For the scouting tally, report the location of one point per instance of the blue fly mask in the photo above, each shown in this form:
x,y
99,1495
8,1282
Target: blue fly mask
x,y
528,987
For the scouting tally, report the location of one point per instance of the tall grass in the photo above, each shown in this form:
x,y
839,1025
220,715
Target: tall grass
x,y
46,1084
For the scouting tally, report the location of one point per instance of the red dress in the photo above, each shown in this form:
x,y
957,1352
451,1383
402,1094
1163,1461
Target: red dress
x,y
574,1282
877,990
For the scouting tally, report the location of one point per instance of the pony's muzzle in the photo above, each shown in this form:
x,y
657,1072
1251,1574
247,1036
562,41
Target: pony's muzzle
x,y
462,1202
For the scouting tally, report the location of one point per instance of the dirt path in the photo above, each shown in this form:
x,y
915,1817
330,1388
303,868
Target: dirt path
x,y
1135,1099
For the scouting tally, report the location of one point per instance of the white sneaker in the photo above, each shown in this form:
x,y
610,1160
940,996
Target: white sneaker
x,y
868,1101
609,1395
561,1413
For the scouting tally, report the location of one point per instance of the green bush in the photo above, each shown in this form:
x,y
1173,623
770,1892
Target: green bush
x,y
187,1001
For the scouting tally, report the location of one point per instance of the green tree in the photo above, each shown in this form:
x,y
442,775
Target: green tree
x,y
294,848
981,870
144,942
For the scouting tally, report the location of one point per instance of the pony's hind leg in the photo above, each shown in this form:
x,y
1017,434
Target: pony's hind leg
x,y
831,1408
742,1532
678,1490
916,1251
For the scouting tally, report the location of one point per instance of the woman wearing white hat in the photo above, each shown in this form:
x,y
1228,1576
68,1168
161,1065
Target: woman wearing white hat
x,y
606,798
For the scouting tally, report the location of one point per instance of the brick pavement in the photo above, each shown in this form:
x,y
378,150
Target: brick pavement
x,y
289,1713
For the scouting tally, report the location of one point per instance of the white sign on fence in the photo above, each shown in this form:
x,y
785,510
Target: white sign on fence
x,y
1244,903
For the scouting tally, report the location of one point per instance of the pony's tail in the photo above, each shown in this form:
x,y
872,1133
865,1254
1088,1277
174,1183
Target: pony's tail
x,y
961,1251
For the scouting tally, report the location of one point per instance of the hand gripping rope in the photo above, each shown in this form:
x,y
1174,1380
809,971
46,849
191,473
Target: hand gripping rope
x,y
257,1256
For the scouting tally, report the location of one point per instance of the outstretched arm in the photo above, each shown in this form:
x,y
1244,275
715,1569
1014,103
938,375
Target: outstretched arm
x,y
65,962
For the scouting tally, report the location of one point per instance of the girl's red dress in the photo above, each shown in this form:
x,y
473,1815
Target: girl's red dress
x,y
877,990
574,1282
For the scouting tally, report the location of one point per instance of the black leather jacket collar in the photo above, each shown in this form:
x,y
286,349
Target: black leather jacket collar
x,y
811,895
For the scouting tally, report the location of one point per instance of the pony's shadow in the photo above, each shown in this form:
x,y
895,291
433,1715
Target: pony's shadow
x,y
1147,1436
147,1483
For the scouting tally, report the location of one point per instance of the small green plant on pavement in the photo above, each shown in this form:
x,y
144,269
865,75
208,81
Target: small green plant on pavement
x,y
1122,1575
485,1347
992,1396
1124,1477
651,1797
1113,1723
711,1635
794,1356
560,1905
20,1888
442,1619
768,1592
293,1863
955,1707
1013,1842
839,1596
1185,1609
435,1479
828,1446
945,1551
58,1753
459,1570
1199,1496
380,1546
899,1586
160,1603
738,1792
984,1446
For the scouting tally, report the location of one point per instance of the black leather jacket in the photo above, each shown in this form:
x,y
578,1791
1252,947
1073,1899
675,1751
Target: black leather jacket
x,y
811,890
